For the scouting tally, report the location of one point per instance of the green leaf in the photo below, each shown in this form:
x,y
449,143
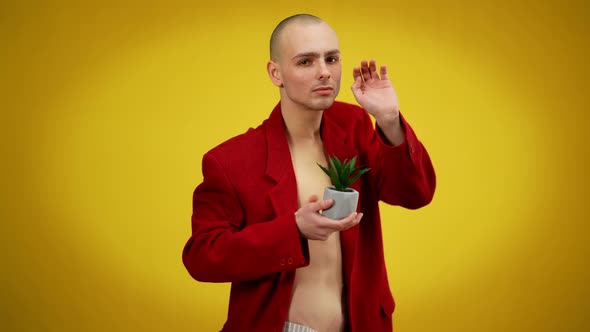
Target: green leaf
x,y
327,171
336,166
350,167
331,173
343,174
358,175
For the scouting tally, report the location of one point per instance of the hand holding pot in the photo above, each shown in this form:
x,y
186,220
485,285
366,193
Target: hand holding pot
x,y
313,226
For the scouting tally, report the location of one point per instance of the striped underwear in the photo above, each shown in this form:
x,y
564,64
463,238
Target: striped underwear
x,y
292,327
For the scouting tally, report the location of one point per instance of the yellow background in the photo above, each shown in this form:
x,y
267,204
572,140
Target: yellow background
x,y
108,108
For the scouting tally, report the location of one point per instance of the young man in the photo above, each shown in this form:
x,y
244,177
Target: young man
x,y
257,219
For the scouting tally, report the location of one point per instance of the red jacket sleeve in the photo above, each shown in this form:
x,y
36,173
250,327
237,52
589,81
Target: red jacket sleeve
x,y
403,174
223,249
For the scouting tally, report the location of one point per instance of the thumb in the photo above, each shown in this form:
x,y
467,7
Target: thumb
x,y
323,204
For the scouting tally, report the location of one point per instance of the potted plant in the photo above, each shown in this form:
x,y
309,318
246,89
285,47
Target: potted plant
x,y
342,175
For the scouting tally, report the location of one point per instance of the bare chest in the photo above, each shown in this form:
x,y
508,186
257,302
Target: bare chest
x,y
311,180
317,291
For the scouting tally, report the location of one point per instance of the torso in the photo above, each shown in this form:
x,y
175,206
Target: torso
x,y
317,291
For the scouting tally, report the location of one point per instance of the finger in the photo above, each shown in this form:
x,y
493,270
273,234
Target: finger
x,y
373,69
356,220
365,70
356,72
352,220
384,75
321,205
358,83
337,225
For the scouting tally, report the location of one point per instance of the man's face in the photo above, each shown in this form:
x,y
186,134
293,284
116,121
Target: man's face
x,y
309,65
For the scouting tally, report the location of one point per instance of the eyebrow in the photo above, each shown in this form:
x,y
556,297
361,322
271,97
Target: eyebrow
x,y
315,54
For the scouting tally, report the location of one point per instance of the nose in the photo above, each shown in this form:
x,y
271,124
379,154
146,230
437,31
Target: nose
x,y
323,71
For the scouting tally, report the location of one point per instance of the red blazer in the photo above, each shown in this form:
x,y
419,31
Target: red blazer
x,y
244,229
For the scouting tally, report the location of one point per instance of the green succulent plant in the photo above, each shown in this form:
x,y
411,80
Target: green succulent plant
x,y
343,173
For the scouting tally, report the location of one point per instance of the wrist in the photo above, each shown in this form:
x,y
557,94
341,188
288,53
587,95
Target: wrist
x,y
388,120
298,222
392,128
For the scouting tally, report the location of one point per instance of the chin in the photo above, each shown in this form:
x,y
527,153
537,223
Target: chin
x,y
323,104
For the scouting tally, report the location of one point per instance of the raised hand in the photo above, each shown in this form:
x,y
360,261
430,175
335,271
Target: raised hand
x,y
313,226
374,92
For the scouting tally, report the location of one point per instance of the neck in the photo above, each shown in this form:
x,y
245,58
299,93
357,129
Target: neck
x,y
302,125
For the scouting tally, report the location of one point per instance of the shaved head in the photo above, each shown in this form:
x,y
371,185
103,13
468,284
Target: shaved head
x,y
305,62
275,38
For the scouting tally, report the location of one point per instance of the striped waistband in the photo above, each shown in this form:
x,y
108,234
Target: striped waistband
x,y
292,327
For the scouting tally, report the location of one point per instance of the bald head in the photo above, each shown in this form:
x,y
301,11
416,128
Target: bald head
x,y
276,37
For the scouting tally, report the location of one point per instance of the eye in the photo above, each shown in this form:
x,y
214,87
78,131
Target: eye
x,y
304,62
332,59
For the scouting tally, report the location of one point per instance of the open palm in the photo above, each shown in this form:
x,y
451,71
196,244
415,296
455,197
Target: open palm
x,y
374,92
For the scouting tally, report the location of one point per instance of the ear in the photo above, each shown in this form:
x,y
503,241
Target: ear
x,y
274,73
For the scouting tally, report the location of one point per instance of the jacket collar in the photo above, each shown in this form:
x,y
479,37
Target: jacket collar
x,y
335,137
279,155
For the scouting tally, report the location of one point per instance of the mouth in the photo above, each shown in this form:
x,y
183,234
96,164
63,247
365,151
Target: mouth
x,y
324,90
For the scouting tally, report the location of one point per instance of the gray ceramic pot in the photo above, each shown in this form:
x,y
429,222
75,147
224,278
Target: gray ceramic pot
x,y
345,202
